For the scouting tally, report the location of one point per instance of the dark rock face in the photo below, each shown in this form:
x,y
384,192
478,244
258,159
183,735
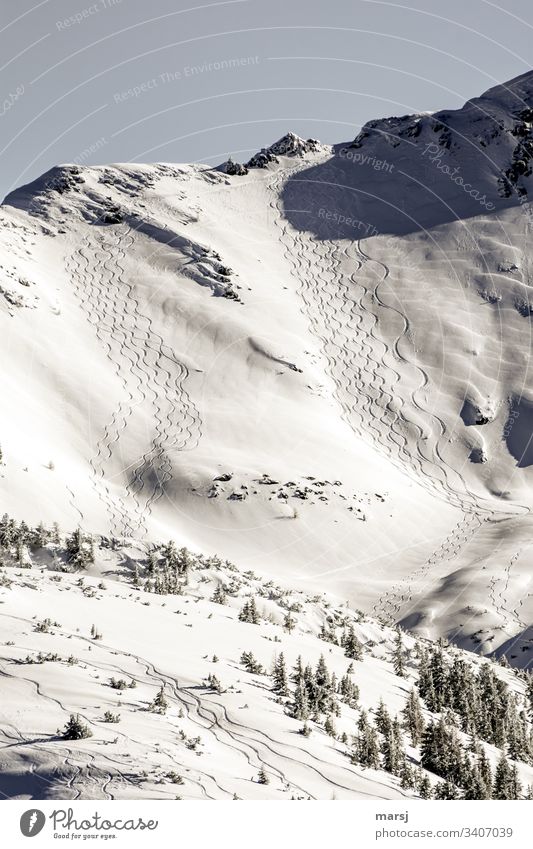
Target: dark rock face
x,y
471,414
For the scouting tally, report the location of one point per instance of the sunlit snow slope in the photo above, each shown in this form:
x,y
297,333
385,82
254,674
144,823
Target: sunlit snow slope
x,y
340,336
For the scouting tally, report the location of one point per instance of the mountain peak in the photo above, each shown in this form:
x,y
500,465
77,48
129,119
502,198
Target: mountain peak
x,y
288,145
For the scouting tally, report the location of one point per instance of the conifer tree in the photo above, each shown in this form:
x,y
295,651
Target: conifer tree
x,y
529,694
300,707
297,673
446,790
502,787
320,687
351,644
398,660
24,533
391,748
75,729
152,562
41,536
439,679
252,665
280,684
413,719
348,691
441,751
423,785
407,776
329,727
7,531
289,623
491,716
56,534
80,551
382,718
213,683
263,778
366,749
474,785
485,771
159,704
219,596
515,786
430,756
249,612
22,554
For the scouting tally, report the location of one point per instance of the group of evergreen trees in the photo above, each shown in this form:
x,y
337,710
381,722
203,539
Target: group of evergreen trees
x,y
482,701
18,540
249,612
167,570
348,639
219,595
443,754
459,699
379,745
317,691
478,703
79,549
251,664
466,774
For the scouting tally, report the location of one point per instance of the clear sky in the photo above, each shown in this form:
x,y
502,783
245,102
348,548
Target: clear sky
x,y
184,80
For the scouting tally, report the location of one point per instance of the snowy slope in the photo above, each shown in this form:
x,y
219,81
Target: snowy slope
x,y
66,638
344,332
147,383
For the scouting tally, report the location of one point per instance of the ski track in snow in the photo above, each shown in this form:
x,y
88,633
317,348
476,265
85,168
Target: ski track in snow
x,y
150,374
364,368
92,303
256,747
310,262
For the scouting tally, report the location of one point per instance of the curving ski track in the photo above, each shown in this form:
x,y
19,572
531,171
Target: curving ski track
x,y
342,311
151,376
256,747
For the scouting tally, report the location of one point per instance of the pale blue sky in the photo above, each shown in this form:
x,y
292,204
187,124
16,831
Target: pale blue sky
x,y
318,68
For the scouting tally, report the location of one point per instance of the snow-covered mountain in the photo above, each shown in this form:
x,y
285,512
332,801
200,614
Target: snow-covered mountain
x,y
315,364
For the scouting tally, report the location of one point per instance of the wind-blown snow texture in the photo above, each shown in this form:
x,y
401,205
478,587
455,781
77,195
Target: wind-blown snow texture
x,y
315,364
